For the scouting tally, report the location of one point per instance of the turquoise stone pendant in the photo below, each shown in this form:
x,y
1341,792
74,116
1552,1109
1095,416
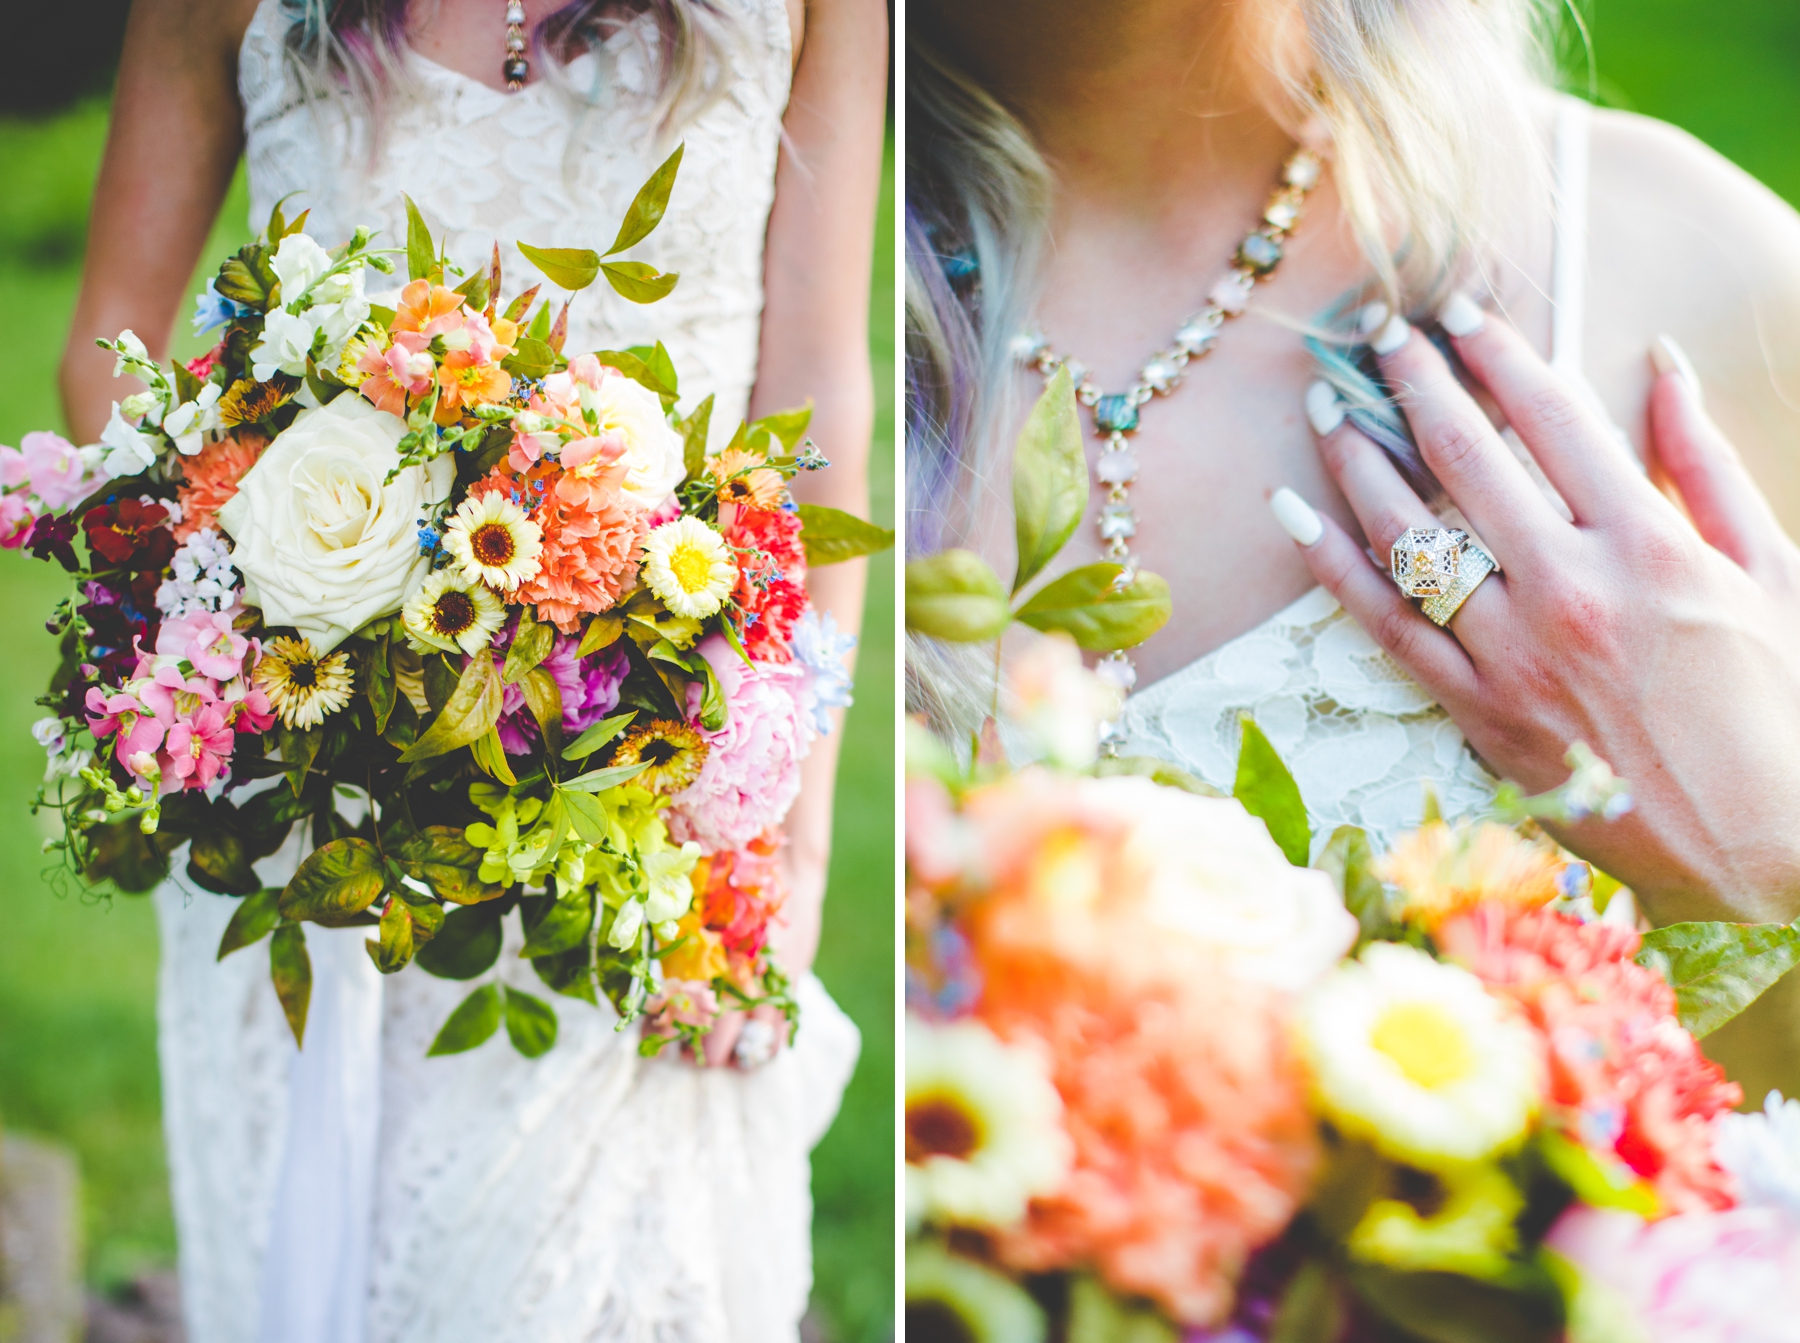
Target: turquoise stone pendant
x,y
1116,414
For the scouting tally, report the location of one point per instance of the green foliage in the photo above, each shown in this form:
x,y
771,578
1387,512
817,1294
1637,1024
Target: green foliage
x,y
597,736
694,430
832,536
475,1019
1449,1308
466,946
336,882
656,375
638,281
1349,859
532,641
648,205
955,595
1267,790
530,1023
256,916
1310,1310
473,707
1719,969
291,970
1089,605
1050,478
421,252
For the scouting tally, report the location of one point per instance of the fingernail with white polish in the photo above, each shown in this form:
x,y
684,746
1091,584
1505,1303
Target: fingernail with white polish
x,y
1668,357
1324,409
1392,336
1372,318
1461,315
1296,516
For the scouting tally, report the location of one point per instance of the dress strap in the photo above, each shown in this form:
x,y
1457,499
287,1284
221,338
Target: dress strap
x,y
1568,274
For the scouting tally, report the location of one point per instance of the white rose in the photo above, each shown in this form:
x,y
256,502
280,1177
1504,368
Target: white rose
x,y
322,543
1211,871
653,450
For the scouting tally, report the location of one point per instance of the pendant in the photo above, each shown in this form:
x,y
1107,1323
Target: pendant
x,y
515,69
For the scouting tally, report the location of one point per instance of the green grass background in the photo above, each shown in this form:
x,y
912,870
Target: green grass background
x,y
78,979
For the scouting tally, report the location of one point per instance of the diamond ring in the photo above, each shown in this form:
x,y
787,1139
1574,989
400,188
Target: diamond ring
x,y
756,1044
1438,567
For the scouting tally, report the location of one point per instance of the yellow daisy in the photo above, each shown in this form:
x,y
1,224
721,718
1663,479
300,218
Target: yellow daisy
x,y
302,686
689,566
744,480
494,542
1443,870
447,612
674,751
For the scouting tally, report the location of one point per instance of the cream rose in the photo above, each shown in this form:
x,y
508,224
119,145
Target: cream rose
x,y
323,544
653,451
1209,870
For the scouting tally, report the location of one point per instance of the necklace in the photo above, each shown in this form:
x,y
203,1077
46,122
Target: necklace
x,y
515,68
1116,413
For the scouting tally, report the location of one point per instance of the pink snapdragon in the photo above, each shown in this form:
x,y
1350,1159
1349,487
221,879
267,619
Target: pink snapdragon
x,y
183,726
44,474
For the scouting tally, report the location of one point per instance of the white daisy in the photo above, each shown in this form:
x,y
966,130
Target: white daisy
x,y
688,565
1417,1057
983,1126
494,542
447,612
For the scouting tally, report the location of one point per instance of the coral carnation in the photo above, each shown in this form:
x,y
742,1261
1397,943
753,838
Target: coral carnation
x,y
212,477
591,534
1624,1074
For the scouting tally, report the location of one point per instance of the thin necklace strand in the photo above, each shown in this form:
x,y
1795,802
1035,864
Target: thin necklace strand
x,y
515,69
1116,413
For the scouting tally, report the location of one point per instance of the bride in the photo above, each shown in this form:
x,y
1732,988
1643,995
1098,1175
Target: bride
x,y
1080,177
357,1190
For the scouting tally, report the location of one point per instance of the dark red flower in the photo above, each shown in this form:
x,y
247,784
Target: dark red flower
x,y
130,534
50,538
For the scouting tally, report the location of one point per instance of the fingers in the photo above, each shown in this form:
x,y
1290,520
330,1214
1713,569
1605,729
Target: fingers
x,y
1429,655
1479,472
1384,503
723,1038
1580,454
1728,509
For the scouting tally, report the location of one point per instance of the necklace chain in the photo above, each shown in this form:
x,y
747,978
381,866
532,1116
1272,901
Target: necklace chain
x,y
516,68
1116,413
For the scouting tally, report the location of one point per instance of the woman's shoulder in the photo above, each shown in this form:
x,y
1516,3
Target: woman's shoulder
x,y
1681,241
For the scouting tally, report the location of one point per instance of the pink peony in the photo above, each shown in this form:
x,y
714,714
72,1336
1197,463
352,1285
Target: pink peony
x,y
1702,1277
752,770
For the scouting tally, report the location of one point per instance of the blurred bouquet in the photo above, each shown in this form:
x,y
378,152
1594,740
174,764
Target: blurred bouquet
x,y
1175,1065
484,618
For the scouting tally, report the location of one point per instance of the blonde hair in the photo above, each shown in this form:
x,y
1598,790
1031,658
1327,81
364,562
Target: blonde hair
x,y
1423,107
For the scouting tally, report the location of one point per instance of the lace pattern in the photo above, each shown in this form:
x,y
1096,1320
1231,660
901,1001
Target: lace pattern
x,y
1361,737
592,1194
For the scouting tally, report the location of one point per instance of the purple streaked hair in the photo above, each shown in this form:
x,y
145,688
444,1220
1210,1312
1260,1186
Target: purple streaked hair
x,y
357,47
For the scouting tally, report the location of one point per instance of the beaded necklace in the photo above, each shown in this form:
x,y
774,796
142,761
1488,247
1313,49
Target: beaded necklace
x,y
1116,413
515,69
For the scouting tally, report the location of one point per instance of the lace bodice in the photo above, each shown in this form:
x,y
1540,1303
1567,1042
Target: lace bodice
x,y
546,167
359,1192
1361,737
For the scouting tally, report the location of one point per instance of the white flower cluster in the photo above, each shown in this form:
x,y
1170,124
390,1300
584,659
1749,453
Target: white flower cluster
x,y
320,297
63,763
126,449
204,577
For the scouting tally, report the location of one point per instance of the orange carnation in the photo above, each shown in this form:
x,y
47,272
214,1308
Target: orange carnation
x,y
211,476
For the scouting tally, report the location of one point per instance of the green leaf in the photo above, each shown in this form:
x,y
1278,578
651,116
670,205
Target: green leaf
x,y
473,707
1719,969
571,268
638,370
1050,478
395,949
1267,790
1449,1308
475,290
832,535
467,945
586,816
1158,771
520,305
531,358
693,438
291,970
1309,1310
475,1019
530,1023
648,205
597,736
337,882
256,916
954,595
1599,1184
298,748
564,925
218,861
421,252
600,633
490,757
544,699
599,780
638,282
1351,863
1085,604
531,644
378,682
786,427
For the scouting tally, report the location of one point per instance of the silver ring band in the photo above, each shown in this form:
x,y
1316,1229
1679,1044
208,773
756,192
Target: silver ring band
x,y
1476,565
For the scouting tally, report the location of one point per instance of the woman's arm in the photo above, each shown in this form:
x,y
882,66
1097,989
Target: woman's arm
x,y
176,133
815,344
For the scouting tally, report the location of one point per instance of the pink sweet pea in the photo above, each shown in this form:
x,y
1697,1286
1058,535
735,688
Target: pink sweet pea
x,y
198,749
606,447
208,641
246,707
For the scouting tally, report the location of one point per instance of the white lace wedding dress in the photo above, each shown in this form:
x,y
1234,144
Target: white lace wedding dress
x,y
358,1191
1363,739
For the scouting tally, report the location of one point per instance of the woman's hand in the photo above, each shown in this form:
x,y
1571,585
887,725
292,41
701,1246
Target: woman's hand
x,y
1670,646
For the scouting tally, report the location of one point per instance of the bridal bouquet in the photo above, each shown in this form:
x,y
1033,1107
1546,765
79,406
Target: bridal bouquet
x,y
1176,1065
482,617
